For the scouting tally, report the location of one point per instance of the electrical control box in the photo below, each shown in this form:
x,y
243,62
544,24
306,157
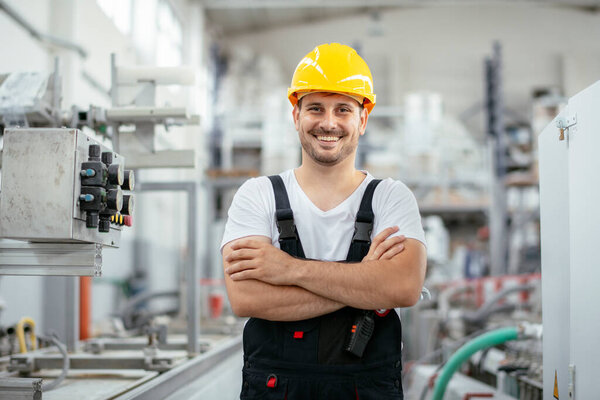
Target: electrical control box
x,y
570,230
60,185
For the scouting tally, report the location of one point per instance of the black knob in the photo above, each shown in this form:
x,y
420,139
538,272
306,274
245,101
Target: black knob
x,y
127,205
91,220
116,174
114,199
129,181
94,152
107,157
104,225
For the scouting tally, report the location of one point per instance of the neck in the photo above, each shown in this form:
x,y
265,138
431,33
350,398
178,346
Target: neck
x,y
329,177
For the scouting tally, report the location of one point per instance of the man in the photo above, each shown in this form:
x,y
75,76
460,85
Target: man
x,y
312,334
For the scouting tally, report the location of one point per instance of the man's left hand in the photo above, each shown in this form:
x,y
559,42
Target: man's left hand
x,y
253,259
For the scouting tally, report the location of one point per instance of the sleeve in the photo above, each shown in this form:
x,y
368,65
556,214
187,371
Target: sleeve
x,y
395,204
249,211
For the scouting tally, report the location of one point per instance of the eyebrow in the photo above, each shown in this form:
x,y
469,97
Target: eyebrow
x,y
316,103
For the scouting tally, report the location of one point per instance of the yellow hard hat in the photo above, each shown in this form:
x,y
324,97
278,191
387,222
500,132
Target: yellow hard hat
x,y
333,68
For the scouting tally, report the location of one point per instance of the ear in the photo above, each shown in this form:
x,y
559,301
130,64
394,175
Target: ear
x,y
296,115
364,117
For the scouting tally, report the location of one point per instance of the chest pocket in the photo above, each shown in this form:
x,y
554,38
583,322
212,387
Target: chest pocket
x,y
301,340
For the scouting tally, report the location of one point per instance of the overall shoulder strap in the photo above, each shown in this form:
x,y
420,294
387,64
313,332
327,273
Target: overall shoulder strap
x,y
363,226
289,241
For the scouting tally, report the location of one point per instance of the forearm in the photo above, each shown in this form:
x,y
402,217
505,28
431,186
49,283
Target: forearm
x,y
368,284
252,298
255,298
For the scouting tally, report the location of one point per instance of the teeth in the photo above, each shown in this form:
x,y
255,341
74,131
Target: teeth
x,y
328,138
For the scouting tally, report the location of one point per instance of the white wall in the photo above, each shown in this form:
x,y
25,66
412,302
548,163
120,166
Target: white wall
x,y
442,48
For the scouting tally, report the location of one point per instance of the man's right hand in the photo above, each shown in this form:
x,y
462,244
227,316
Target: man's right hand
x,y
384,247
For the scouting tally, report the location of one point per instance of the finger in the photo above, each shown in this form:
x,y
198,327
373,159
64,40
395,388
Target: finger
x,y
387,244
243,275
241,254
246,243
392,252
239,266
377,240
385,234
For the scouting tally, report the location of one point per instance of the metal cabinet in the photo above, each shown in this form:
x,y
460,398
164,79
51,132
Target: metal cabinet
x,y
570,234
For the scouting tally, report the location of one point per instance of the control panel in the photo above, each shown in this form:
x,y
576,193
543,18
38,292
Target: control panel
x,y
61,185
102,184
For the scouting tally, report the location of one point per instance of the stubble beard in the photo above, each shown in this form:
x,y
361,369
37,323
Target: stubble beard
x,y
313,152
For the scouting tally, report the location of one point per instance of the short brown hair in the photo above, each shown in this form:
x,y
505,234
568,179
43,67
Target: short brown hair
x,y
360,105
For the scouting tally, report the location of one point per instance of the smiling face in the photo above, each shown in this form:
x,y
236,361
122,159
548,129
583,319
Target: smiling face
x,y
329,126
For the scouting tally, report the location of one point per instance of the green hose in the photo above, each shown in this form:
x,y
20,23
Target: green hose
x,y
486,340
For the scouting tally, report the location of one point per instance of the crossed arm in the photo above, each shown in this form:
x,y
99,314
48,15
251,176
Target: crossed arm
x,y
265,282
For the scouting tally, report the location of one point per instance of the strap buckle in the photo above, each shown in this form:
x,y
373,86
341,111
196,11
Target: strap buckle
x,y
287,229
362,231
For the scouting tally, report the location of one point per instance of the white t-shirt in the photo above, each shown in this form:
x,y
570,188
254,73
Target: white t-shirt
x,y
325,235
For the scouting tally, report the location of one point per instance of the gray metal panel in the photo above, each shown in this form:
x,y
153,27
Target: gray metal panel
x,y
41,186
37,183
554,214
584,191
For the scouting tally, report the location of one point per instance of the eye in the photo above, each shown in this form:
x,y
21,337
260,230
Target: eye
x,y
313,108
345,109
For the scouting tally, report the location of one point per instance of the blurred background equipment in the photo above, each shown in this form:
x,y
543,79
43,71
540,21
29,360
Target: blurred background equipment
x,y
127,126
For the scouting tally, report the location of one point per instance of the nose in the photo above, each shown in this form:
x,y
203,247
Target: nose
x,y
328,121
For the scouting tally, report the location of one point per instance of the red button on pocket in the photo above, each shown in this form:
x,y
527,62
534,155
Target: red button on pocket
x,y
272,381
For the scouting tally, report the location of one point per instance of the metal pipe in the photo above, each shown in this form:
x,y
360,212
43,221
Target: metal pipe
x,y
85,307
42,37
193,295
489,307
446,295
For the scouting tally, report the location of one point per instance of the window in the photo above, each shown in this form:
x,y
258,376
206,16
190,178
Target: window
x,y
169,40
119,12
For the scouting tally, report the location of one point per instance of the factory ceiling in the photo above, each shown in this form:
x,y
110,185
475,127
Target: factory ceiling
x,y
233,17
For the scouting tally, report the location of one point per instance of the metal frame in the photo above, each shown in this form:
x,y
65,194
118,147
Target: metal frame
x,y
119,344
213,186
31,362
496,132
145,115
193,297
20,388
50,259
170,381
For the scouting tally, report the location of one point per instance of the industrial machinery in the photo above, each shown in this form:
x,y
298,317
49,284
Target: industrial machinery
x,y
65,194
466,350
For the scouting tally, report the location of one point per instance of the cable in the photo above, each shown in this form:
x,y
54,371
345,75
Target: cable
x,y
435,353
20,331
66,363
486,340
440,350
